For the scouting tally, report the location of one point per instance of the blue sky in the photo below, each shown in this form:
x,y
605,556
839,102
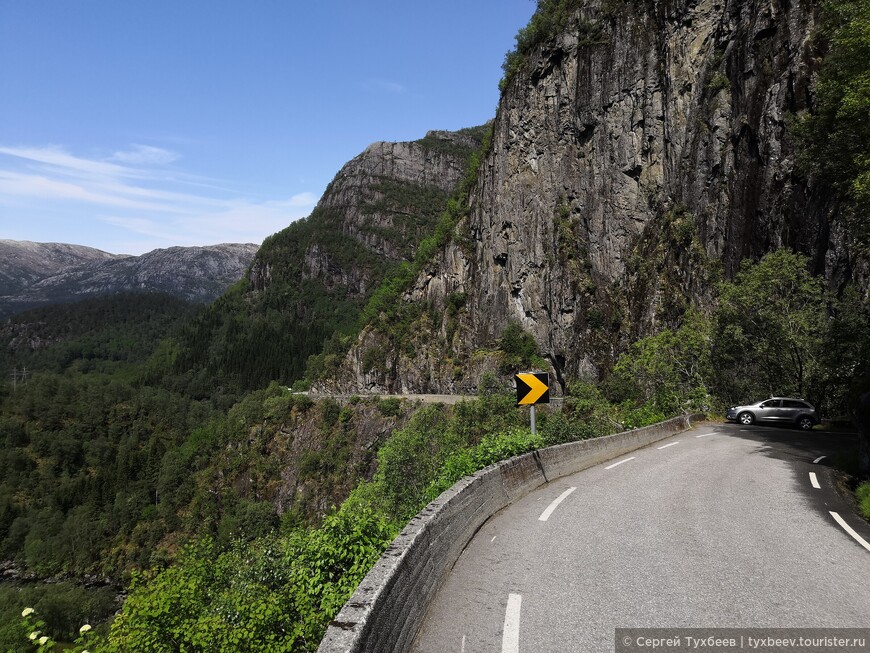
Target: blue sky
x,y
132,125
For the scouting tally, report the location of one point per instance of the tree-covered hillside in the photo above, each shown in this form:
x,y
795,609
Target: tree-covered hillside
x,y
113,330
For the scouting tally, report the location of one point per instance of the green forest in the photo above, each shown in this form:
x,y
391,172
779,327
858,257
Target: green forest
x,y
146,442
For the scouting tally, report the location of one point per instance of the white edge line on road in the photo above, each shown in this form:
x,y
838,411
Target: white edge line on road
x,y
850,531
559,499
819,459
510,639
815,481
669,445
620,462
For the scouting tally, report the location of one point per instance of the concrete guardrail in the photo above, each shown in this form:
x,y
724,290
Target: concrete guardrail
x,y
388,607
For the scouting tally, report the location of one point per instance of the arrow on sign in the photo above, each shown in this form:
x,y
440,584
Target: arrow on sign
x,y
533,388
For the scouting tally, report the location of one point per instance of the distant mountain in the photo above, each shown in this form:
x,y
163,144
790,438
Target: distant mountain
x,y
37,274
23,263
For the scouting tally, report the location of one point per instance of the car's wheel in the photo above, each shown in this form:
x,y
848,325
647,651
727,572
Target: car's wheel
x,y
747,419
806,423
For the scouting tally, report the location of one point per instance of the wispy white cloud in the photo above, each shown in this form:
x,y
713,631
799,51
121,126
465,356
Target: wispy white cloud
x,y
145,155
134,192
58,158
303,199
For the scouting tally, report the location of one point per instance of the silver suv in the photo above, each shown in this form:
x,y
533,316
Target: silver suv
x,y
782,410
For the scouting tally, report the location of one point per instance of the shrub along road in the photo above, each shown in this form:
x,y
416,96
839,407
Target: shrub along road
x,y
721,526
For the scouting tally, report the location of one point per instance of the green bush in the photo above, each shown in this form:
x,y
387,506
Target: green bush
x,y
863,496
519,348
273,594
390,407
409,460
492,449
666,373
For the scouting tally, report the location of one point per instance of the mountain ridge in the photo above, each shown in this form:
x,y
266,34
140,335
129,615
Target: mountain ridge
x,y
39,274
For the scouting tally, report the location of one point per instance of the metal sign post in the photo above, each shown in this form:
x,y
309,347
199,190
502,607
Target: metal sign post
x,y
532,388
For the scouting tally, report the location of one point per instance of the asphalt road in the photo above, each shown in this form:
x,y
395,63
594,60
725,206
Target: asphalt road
x,y
720,526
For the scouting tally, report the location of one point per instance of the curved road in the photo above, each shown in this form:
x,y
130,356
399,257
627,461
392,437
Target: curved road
x,y
720,526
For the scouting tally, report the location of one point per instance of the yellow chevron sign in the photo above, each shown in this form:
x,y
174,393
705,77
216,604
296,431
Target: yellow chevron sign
x,y
533,388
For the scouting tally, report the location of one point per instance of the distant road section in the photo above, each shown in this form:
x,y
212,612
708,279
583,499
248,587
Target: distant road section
x,y
426,399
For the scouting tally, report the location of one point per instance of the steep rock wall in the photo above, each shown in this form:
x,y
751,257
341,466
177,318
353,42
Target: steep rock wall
x,y
637,157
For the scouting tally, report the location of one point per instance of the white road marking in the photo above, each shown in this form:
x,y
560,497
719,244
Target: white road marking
x,y
510,639
815,481
850,531
462,650
704,435
819,459
766,446
669,445
493,539
620,462
559,499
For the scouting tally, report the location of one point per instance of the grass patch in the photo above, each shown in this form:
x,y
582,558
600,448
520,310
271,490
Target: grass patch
x,y
862,494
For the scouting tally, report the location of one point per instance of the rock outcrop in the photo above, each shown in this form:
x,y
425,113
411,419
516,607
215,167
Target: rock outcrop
x,y
386,200
637,156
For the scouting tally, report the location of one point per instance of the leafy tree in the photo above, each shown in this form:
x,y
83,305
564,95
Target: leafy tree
x,y
769,330
519,348
669,370
836,135
777,330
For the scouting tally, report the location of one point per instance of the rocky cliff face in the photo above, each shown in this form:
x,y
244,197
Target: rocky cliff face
x,y
51,274
385,200
636,157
